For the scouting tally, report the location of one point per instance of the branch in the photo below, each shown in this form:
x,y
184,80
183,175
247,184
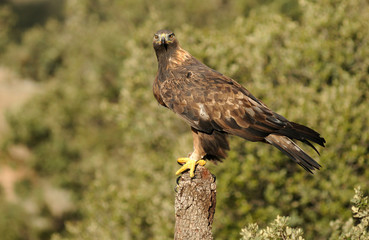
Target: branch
x,y
195,205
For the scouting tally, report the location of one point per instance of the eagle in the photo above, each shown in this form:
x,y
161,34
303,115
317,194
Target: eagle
x,y
216,106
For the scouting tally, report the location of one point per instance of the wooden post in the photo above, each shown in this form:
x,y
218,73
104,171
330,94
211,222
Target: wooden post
x,y
195,205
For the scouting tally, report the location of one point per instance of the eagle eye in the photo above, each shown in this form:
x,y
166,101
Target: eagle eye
x,y
171,36
156,37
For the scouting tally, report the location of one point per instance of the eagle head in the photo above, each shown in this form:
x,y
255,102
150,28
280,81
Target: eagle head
x,y
164,40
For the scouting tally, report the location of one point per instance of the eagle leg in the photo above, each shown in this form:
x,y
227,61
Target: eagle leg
x,y
189,163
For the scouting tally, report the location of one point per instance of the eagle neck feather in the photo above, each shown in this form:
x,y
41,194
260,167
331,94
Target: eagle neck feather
x,y
171,58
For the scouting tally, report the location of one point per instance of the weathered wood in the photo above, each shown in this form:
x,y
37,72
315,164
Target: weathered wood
x,y
195,205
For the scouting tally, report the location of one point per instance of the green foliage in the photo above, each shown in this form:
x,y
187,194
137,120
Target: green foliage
x,y
13,223
42,54
7,21
279,228
356,227
99,139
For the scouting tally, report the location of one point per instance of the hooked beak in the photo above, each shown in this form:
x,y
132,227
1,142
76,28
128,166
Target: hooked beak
x,y
163,41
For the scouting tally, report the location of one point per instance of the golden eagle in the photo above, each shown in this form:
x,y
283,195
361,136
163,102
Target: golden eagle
x,y
215,105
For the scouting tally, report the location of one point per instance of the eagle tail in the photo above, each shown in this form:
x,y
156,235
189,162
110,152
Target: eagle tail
x,y
303,134
291,149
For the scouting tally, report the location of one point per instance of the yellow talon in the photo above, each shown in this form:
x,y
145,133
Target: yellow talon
x,y
189,163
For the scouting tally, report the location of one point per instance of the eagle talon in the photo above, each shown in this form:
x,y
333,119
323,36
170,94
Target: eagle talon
x,y
177,180
188,163
215,178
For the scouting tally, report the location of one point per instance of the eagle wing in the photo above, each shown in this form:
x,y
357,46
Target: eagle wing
x,y
210,101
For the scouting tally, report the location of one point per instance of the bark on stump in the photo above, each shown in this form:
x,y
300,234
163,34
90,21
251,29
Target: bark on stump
x,y
195,205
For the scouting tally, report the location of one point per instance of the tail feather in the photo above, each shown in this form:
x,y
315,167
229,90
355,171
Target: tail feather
x,y
291,149
311,145
303,134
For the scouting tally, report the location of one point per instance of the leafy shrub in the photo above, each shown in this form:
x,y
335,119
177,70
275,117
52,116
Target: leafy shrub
x,y
7,21
279,229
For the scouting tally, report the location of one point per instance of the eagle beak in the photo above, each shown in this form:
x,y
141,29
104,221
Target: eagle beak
x,y
163,41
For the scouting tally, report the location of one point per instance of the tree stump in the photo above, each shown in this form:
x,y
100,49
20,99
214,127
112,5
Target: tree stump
x,y
195,205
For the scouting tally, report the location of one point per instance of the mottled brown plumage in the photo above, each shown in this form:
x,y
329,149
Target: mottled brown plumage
x,y
215,105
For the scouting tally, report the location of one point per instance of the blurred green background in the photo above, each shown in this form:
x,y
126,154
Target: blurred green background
x,y
87,153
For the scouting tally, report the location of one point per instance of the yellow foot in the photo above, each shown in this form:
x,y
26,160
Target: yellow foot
x,y
189,163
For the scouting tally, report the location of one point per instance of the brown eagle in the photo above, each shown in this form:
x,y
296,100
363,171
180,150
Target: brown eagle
x,y
215,105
